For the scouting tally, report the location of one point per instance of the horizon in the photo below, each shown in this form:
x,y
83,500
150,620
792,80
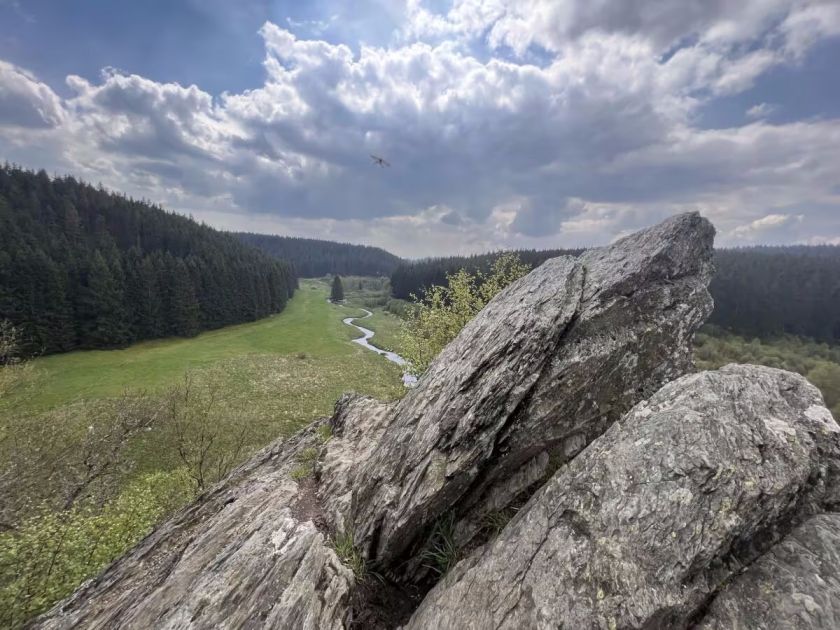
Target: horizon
x,y
556,125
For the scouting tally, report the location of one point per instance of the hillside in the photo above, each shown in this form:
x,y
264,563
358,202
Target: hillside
x,y
81,267
313,258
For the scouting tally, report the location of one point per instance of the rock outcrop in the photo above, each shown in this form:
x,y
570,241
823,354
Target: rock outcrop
x,y
630,514
654,517
545,368
252,553
795,586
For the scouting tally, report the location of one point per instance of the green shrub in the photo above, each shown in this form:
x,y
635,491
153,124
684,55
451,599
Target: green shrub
x,y
52,552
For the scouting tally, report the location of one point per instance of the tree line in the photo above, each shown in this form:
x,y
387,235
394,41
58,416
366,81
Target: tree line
x,y
414,277
762,292
82,267
314,258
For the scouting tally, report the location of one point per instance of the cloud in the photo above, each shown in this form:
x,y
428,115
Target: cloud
x,y
488,150
761,110
767,225
25,101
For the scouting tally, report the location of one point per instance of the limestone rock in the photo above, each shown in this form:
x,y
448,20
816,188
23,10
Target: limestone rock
x,y
651,519
795,586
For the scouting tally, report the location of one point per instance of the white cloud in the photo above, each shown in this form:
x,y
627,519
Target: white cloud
x,y
573,148
25,101
761,110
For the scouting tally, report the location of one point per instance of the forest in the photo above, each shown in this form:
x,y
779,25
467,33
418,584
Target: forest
x,y
314,258
762,292
412,277
82,267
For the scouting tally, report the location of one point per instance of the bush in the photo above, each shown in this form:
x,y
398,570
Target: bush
x,y
445,310
51,553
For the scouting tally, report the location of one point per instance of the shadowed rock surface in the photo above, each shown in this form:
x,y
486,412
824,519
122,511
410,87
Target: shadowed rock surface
x,y
655,516
795,586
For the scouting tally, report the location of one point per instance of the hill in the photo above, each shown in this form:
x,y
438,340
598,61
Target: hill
x,y
313,258
81,267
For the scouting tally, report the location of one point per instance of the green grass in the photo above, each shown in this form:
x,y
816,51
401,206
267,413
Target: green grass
x,y
309,327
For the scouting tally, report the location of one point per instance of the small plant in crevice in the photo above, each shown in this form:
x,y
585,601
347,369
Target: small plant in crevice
x,y
494,522
324,433
307,459
346,550
441,552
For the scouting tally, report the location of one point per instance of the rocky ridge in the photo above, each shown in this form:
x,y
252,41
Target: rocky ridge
x,y
640,493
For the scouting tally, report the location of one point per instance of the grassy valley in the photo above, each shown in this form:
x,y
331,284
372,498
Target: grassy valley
x,y
173,416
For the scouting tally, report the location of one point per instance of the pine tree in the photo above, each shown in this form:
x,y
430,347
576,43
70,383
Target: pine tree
x,y
337,292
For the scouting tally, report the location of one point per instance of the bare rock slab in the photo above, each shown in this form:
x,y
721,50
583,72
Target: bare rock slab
x,y
645,525
546,367
794,586
249,554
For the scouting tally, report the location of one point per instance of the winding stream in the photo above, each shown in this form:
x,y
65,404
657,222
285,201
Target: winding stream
x,y
409,380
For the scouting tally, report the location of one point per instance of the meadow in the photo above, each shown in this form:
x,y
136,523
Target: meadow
x,y
99,446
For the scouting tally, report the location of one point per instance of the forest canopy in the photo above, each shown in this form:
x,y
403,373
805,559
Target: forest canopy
x,y
763,292
82,267
314,258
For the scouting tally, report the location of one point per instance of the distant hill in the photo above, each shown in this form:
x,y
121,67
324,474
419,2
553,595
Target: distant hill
x,y
314,258
81,267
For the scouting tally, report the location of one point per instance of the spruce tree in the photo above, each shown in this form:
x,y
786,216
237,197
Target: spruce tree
x,y
337,292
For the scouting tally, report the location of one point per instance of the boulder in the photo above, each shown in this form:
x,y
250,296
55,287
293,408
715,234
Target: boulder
x,y
544,368
654,517
796,585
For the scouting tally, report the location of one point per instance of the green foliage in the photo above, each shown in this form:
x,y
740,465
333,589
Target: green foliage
x,y
346,550
818,362
444,310
51,552
441,552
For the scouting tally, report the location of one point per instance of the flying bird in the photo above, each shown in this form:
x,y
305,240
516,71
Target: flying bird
x,y
379,161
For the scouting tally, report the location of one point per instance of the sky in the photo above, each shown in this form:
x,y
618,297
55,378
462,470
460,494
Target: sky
x,y
506,123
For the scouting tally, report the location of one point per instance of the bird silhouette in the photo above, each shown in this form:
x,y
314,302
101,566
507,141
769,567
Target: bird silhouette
x,y
379,161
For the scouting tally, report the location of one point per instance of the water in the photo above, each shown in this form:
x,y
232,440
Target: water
x,y
409,380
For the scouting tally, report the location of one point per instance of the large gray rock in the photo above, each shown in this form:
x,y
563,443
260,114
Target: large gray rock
x,y
545,368
795,586
250,553
640,529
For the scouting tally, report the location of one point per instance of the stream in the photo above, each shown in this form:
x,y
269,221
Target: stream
x,y
409,380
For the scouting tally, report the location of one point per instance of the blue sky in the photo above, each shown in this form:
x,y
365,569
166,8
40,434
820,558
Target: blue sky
x,y
528,123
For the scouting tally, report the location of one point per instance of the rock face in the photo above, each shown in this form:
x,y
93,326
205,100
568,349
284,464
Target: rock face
x,y
250,553
543,370
796,585
642,528
546,367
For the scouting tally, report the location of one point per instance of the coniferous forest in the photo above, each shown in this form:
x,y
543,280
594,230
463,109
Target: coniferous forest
x,y
81,267
763,292
313,258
